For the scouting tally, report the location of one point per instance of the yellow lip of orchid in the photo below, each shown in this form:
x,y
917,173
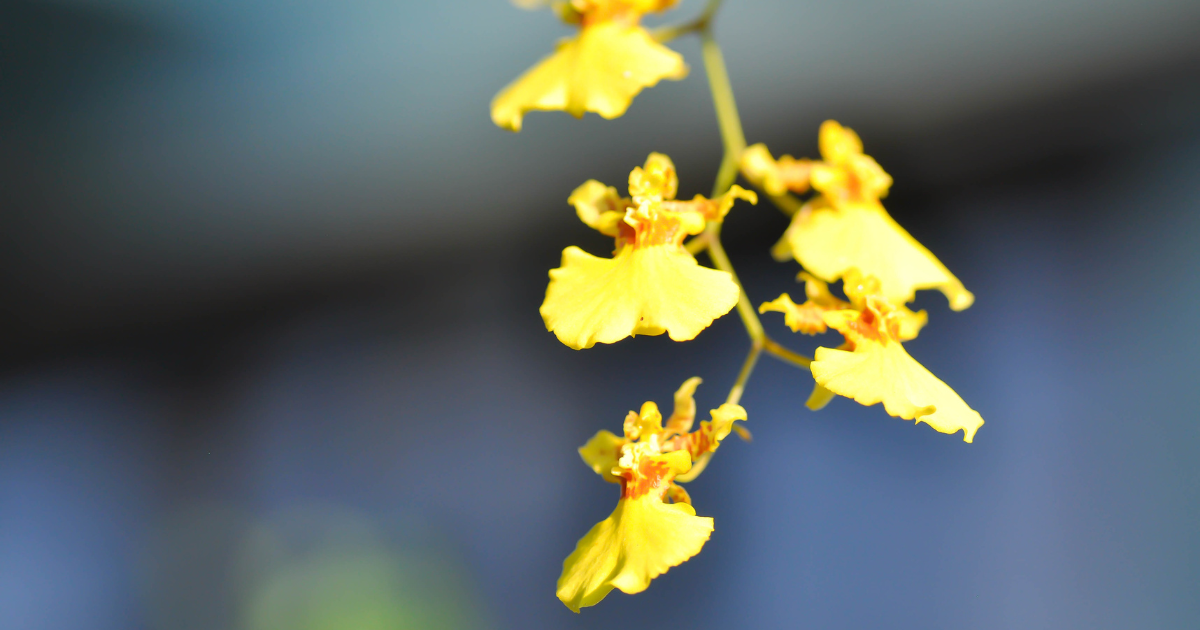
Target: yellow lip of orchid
x,y
846,227
599,70
651,285
645,535
829,241
873,367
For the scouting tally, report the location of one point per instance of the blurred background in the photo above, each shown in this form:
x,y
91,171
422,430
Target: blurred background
x,y
270,355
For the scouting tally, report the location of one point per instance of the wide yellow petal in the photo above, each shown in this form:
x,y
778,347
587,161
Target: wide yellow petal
x,y
828,242
601,454
642,291
640,541
600,70
884,372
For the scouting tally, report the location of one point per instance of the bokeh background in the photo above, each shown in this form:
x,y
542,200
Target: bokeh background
x,y
270,356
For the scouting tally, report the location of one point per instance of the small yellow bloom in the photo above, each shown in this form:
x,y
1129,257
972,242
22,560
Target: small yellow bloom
x,y
809,318
846,227
600,70
652,284
654,526
873,367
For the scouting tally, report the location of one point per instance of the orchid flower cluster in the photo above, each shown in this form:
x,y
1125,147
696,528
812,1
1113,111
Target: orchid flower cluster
x,y
653,284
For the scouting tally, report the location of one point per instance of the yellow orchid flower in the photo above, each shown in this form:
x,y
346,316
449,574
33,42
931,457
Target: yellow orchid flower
x,y
809,318
872,366
652,284
846,227
654,526
599,70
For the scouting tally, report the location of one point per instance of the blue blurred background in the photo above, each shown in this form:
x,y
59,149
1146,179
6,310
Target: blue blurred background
x,y
270,356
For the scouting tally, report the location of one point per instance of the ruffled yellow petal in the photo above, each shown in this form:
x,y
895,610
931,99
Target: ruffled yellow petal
x,y
600,207
685,407
909,323
775,177
601,454
721,424
802,318
828,242
642,291
701,209
882,371
600,71
640,540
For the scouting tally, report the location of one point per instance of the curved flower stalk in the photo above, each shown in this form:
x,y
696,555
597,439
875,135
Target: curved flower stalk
x,y
654,526
872,366
652,284
599,70
845,226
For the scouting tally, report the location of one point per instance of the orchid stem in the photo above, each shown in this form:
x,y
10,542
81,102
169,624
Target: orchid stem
x,y
734,141
783,354
727,115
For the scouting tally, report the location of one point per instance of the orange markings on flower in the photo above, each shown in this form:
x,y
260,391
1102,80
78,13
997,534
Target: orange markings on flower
x,y
808,318
868,325
710,209
651,215
696,443
641,460
794,173
662,230
648,475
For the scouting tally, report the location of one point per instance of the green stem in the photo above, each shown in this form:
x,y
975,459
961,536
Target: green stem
x,y
783,354
734,141
739,386
787,203
727,115
745,309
